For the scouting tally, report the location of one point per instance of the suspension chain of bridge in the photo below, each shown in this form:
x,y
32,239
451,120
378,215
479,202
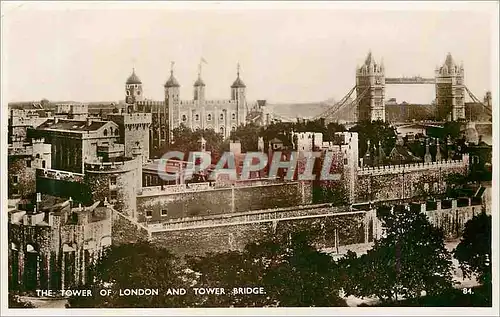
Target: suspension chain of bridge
x,y
348,103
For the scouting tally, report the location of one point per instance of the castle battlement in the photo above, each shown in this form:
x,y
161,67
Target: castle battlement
x,y
126,165
131,118
396,169
206,186
221,102
59,175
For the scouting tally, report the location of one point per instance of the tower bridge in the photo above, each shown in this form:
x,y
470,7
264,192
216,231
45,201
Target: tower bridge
x,y
369,99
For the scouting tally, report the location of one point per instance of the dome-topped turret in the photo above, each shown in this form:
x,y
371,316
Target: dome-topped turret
x,y
172,82
199,82
133,79
238,83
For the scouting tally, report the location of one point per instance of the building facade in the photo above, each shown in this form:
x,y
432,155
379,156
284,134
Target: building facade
x,y
222,116
450,91
370,89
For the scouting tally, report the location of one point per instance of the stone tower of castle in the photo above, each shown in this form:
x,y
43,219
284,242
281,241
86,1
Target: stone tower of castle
x,y
238,94
450,91
172,115
133,90
371,77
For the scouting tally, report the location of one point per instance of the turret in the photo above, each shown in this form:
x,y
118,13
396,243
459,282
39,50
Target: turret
x,y
133,89
238,94
370,88
199,87
427,156
171,102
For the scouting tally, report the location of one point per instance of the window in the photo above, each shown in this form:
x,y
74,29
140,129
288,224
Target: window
x,y
43,164
128,92
233,116
105,132
15,191
233,128
28,163
345,161
15,179
222,130
111,131
116,132
184,118
163,212
221,116
197,117
138,93
37,156
113,195
149,213
112,180
209,117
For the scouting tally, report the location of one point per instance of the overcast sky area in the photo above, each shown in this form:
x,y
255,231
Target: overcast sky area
x,y
86,53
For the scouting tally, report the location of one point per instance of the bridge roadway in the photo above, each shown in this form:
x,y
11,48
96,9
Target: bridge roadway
x,y
410,81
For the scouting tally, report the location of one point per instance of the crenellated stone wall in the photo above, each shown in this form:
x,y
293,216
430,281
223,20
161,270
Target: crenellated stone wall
x,y
405,181
158,207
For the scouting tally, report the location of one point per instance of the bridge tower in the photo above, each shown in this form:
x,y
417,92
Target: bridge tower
x,y
371,76
450,91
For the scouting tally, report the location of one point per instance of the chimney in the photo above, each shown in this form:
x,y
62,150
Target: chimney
x,y
56,119
38,201
89,121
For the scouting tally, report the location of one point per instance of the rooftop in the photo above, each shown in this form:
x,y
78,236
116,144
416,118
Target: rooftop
x,y
71,125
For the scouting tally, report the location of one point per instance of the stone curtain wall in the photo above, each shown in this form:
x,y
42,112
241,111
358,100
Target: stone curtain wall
x,y
401,184
220,201
265,197
217,239
342,229
350,229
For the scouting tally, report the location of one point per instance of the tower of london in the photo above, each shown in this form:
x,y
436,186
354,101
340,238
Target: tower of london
x,y
220,115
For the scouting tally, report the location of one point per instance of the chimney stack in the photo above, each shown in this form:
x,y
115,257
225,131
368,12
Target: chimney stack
x,y
89,121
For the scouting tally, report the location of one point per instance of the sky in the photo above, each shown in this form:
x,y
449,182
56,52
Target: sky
x,y
288,53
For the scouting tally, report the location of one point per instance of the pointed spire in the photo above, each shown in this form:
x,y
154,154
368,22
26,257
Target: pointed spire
x,y
238,83
199,81
133,79
369,58
438,151
427,156
381,153
449,61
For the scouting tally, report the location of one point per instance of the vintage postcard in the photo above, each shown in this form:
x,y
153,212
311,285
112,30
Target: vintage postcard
x,y
321,158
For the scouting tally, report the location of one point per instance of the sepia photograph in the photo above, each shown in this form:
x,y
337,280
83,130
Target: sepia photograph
x,y
249,157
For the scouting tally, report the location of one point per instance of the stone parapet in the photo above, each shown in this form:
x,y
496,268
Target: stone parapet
x,y
111,167
59,175
397,169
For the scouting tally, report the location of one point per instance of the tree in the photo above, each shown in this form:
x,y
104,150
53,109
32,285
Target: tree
x,y
248,135
474,250
409,259
185,140
291,271
375,131
135,266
